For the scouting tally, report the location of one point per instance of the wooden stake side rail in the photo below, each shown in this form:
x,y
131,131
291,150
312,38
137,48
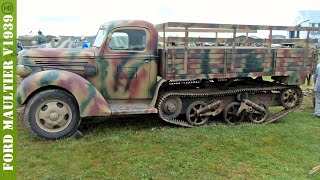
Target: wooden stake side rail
x,y
270,59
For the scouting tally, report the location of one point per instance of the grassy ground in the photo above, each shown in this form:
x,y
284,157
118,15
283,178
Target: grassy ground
x,y
144,147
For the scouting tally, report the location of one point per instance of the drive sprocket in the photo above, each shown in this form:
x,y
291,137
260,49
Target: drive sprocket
x,y
169,107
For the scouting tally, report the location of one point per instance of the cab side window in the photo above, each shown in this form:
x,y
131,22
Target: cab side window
x,y
128,39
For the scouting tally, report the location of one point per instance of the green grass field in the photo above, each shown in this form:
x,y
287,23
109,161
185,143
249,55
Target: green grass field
x,y
144,147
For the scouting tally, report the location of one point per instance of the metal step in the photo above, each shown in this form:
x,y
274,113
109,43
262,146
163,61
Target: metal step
x,y
121,107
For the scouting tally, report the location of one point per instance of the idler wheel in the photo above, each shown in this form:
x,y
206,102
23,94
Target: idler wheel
x,y
289,98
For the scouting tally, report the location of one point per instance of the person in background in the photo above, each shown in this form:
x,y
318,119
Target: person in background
x,y
85,44
317,91
41,38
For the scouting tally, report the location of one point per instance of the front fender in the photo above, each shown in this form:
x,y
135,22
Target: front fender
x,y
90,100
156,93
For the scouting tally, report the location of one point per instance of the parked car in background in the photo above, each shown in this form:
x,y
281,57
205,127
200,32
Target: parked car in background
x,y
209,44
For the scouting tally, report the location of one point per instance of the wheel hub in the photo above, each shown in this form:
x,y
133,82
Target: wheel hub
x,y
54,116
291,97
170,107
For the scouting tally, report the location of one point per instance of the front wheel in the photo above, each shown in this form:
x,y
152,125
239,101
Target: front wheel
x,y
52,114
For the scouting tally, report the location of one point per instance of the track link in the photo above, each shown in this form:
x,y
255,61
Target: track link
x,y
220,93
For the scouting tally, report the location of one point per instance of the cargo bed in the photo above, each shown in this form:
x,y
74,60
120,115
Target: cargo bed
x,y
233,57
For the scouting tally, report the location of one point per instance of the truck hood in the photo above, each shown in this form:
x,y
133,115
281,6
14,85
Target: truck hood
x,y
58,53
78,61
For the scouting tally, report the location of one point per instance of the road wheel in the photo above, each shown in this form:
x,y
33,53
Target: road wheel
x,y
230,114
260,117
192,116
52,114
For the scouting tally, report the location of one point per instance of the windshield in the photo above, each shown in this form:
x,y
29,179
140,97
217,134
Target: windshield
x,y
99,38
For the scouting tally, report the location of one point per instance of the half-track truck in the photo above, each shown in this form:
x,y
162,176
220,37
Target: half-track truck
x,y
171,69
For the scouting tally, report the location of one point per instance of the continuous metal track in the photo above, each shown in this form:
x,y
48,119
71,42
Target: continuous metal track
x,y
209,93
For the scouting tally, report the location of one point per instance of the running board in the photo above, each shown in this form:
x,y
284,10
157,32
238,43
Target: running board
x,y
121,108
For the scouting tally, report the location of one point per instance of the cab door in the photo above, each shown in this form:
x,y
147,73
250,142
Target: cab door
x,y
126,64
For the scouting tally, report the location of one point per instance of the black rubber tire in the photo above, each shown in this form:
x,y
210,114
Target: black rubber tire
x,y
37,100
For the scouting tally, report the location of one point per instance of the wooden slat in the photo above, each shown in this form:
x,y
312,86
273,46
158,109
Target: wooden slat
x,y
291,73
242,40
294,50
292,68
249,70
293,55
197,56
246,56
220,70
219,50
240,50
288,64
210,76
196,61
199,76
200,71
196,66
296,59
194,39
217,66
247,60
237,26
214,60
207,30
180,50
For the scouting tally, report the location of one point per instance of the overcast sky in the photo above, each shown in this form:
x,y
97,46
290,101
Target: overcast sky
x,y
83,17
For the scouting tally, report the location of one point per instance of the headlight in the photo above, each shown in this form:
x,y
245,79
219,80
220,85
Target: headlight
x,y
23,71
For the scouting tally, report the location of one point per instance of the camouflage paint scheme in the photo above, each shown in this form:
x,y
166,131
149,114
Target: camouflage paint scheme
x,y
121,65
240,59
110,77
216,63
90,101
98,76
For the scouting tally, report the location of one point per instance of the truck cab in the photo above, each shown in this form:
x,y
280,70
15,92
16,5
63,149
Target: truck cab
x,y
126,57
117,75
